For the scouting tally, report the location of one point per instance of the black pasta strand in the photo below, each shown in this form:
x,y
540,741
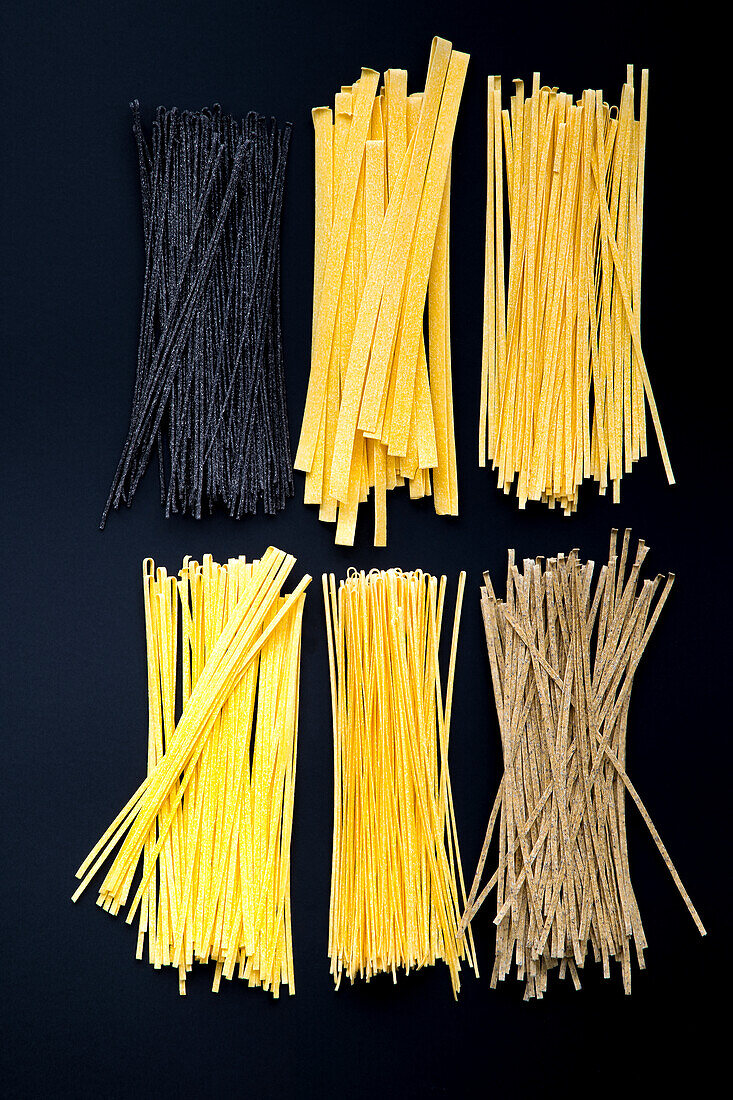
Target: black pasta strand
x,y
209,393
177,326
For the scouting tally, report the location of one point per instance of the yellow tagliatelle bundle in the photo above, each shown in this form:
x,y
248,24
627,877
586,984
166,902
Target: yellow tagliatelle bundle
x,y
376,415
396,864
564,381
212,820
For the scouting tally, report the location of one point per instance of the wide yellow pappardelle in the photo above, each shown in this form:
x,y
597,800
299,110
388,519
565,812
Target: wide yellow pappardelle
x,y
376,415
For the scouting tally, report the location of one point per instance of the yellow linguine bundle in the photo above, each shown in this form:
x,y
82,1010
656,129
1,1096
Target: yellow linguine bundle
x,y
396,869
564,381
212,820
376,414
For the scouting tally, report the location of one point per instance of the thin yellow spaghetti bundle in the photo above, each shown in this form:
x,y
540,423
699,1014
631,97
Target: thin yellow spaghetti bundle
x,y
396,865
564,382
212,821
375,414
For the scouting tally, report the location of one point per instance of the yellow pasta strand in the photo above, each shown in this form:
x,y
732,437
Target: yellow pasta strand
x,y
334,266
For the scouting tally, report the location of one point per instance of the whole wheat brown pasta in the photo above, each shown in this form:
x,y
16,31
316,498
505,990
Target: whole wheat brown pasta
x,y
563,652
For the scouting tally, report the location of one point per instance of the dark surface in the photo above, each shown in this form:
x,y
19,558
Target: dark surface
x,y
80,1016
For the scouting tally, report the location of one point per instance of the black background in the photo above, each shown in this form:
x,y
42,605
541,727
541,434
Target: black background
x,y
80,1016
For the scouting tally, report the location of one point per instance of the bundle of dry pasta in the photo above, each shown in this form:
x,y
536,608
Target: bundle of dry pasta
x,y
396,863
563,655
564,380
375,414
212,820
